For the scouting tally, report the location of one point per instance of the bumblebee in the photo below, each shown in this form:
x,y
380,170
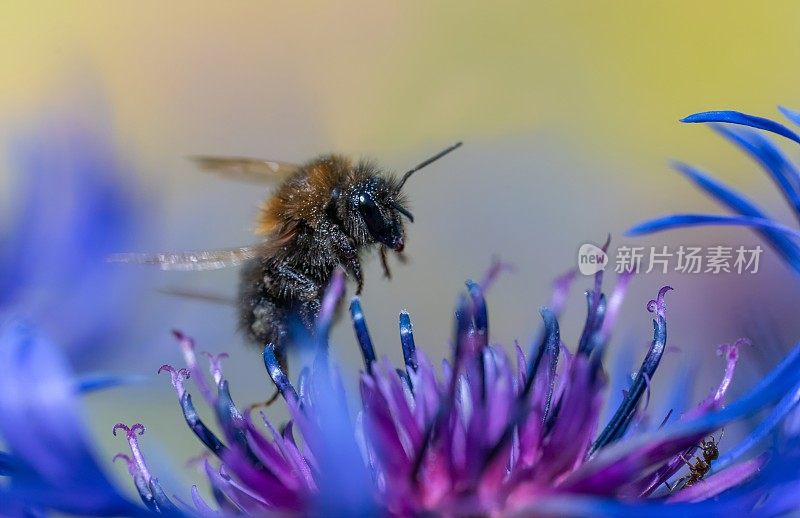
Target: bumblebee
x,y
324,214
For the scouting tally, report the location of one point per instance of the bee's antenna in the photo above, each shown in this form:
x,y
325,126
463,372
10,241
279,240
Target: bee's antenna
x,y
402,210
429,161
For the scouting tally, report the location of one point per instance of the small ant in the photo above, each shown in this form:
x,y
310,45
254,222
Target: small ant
x,y
699,469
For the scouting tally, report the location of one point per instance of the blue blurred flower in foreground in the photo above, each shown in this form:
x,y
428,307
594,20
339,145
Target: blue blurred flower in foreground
x,y
49,462
769,156
70,206
489,436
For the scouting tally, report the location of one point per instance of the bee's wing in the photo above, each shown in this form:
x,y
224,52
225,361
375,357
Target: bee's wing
x,y
203,296
248,169
192,261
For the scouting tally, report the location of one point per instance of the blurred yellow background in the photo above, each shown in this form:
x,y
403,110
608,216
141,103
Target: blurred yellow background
x,y
381,76
568,111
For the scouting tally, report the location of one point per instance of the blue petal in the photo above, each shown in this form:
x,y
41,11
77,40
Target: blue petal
x,y
549,345
743,206
44,432
278,376
165,505
771,388
763,429
407,341
345,486
199,428
362,333
6,464
622,418
765,152
481,314
734,117
574,505
95,382
719,191
790,114
595,314
232,423
697,220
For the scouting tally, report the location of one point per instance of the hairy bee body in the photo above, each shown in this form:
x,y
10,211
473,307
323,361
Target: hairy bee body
x,y
325,214
313,224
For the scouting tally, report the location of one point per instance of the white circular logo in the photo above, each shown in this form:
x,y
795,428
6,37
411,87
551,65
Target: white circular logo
x,y
591,259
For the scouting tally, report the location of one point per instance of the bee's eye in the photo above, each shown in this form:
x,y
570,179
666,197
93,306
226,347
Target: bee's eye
x,y
371,213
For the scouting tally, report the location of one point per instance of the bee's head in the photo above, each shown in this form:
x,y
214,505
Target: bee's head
x,y
372,211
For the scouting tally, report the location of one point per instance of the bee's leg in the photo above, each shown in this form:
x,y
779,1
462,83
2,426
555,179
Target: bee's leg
x,y
348,255
354,267
268,402
385,262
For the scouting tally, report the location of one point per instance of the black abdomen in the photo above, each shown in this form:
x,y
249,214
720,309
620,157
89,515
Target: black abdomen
x,y
262,317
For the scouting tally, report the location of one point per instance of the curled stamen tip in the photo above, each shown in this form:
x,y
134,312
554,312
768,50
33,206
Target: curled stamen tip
x,y
181,373
128,460
215,364
215,361
177,377
658,305
496,267
130,431
185,341
731,351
